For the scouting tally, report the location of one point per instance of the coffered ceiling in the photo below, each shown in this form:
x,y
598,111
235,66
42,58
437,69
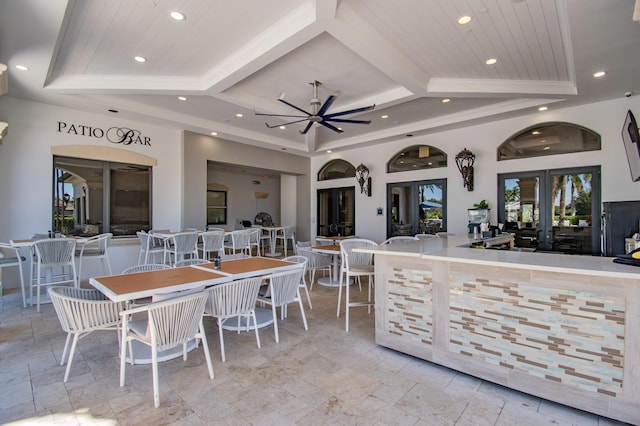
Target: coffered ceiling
x,y
238,57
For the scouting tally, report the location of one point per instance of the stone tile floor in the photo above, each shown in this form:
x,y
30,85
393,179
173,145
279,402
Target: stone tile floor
x,y
315,377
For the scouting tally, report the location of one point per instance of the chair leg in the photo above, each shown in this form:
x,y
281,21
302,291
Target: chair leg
x,y
123,352
346,306
340,292
66,346
306,290
154,373
205,347
255,326
221,339
73,350
275,322
304,317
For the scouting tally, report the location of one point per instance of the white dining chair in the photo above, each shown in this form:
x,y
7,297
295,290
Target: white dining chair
x,y
212,244
180,245
148,249
284,288
234,300
303,281
239,242
15,259
399,239
95,248
315,261
54,265
355,265
284,235
80,312
169,323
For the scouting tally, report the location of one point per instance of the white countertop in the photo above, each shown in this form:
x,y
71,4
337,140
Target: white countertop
x,y
455,248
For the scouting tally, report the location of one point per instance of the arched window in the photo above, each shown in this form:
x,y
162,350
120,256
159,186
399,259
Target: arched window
x,y
549,139
336,169
417,157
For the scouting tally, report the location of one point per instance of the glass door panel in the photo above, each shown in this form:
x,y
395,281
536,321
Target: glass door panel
x,y
552,210
416,207
571,213
336,212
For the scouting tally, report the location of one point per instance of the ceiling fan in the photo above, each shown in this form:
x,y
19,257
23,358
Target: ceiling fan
x,y
318,113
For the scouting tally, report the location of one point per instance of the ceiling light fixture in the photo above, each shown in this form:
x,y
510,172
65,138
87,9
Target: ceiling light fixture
x,y
536,132
463,20
446,100
140,59
182,98
214,133
599,74
384,117
178,16
239,115
22,68
282,127
543,108
329,151
491,61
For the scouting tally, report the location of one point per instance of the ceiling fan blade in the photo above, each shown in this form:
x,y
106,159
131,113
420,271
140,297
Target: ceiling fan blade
x,y
327,104
345,120
329,126
281,115
293,106
351,111
306,129
285,124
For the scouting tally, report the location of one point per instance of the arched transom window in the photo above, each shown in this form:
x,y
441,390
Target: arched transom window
x,y
417,157
336,169
549,139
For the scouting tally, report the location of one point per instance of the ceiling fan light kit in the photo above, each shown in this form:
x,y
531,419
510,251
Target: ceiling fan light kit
x,y
318,113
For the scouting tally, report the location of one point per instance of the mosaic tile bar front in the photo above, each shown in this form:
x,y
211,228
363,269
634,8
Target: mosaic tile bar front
x,y
561,336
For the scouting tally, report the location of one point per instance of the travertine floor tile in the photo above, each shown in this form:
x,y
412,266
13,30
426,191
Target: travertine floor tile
x,y
317,377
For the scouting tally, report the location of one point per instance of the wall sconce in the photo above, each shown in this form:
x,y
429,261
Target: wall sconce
x,y
465,160
362,176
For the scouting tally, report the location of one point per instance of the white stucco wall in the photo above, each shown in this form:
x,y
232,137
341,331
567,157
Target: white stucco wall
x,y
605,118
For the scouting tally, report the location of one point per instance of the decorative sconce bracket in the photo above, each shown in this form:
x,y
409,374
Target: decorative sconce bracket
x,y
364,180
464,161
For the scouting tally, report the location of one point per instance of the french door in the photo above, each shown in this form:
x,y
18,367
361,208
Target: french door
x,y
336,212
418,207
552,210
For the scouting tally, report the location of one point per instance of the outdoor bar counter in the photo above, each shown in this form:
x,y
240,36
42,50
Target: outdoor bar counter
x,y
562,327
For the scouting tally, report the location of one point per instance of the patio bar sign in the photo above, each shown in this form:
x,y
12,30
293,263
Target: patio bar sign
x,y
117,135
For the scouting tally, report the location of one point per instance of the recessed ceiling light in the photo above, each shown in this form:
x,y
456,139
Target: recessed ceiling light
x,y
491,61
329,151
239,115
599,74
536,132
446,100
214,133
22,68
282,127
429,164
546,148
140,59
384,116
543,108
115,111
178,16
182,98
463,20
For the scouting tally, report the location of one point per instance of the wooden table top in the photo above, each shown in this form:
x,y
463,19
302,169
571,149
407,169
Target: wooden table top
x,y
327,247
145,284
248,266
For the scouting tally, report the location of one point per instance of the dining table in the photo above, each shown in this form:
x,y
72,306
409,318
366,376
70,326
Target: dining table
x,y
141,285
246,268
273,231
334,251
